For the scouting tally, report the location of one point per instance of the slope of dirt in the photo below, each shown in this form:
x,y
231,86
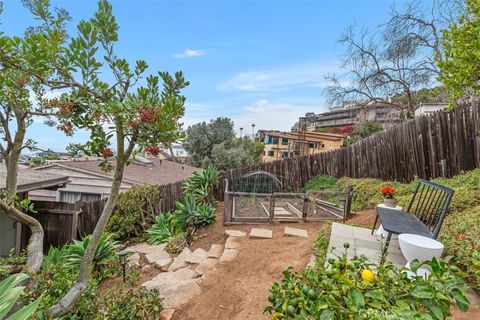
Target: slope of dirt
x,y
239,289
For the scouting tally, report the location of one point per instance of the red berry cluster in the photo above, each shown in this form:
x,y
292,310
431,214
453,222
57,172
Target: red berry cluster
x,y
153,150
107,153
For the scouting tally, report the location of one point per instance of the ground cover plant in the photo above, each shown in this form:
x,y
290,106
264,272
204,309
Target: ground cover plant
x,y
460,232
349,289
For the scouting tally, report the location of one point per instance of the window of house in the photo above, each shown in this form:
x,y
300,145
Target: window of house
x,y
275,140
284,141
312,145
270,153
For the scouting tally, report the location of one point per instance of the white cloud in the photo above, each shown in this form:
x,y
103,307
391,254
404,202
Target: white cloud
x,y
190,53
273,116
305,75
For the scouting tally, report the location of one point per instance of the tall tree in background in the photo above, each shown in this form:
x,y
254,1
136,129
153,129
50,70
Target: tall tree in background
x,y
17,112
214,143
120,116
201,138
460,65
396,60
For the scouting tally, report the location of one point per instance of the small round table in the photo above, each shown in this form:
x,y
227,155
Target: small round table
x,y
380,231
421,248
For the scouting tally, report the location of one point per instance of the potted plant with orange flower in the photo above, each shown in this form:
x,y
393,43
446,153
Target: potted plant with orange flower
x,y
388,196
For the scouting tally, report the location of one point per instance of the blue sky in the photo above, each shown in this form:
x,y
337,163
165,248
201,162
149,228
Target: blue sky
x,y
259,62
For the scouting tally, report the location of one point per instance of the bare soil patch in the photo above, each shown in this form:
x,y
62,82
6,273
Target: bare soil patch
x,y
239,289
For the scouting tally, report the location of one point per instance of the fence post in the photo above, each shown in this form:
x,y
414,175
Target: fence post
x,y
305,206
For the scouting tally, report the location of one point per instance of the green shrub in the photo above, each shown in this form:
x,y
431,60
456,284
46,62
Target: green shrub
x,y
135,211
53,283
164,228
339,292
132,304
185,211
10,292
105,255
461,236
320,182
202,184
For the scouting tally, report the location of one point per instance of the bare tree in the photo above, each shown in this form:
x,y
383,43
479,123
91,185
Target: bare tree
x,y
390,64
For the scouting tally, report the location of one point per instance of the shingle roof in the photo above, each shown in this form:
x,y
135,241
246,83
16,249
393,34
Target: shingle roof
x,y
159,172
29,179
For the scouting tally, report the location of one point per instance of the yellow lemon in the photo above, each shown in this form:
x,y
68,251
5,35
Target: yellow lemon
x,y
368,275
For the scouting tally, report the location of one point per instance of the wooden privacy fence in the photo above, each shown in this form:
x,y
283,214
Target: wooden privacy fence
x,y
430,146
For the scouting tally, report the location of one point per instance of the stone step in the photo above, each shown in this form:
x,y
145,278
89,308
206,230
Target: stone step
x,y
261,233
295,232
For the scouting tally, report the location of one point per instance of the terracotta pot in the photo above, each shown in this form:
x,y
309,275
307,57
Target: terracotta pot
x,y
390,202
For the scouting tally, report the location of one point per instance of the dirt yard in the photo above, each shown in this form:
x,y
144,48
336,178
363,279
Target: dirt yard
x,y
239,289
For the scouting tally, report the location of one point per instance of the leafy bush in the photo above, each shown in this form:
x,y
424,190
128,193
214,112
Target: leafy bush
x,y
202,184
10,293
132,304
320,182
461,236
135,211
105,255
53,283
340,291
164,228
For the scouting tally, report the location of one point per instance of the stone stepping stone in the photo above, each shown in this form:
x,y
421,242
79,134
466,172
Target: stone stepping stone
x,y
206,266
232,243
146,248
163,263
180,260
166,280
155,256
295,232
215,251
228,255
180,293
235,233
134,260
261,233
197,256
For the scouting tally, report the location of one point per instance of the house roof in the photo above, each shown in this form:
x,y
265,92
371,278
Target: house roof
x,y
157,172
29,179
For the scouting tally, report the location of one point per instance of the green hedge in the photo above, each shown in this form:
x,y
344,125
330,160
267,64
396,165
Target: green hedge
x,y
135,212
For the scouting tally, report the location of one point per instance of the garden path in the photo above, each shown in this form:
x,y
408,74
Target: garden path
x,y
238,288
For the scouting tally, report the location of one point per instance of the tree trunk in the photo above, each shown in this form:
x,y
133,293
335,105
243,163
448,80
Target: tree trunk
x,y
35,246
69,300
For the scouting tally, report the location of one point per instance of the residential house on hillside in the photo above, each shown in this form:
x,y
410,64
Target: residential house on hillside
x,y
88,182
177,151
429,108
29,180
353,114
281,145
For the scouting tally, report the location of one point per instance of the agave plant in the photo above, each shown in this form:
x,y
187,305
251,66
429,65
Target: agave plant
x,y
201,184
205,215
106,251
164,228
9,294
186,211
